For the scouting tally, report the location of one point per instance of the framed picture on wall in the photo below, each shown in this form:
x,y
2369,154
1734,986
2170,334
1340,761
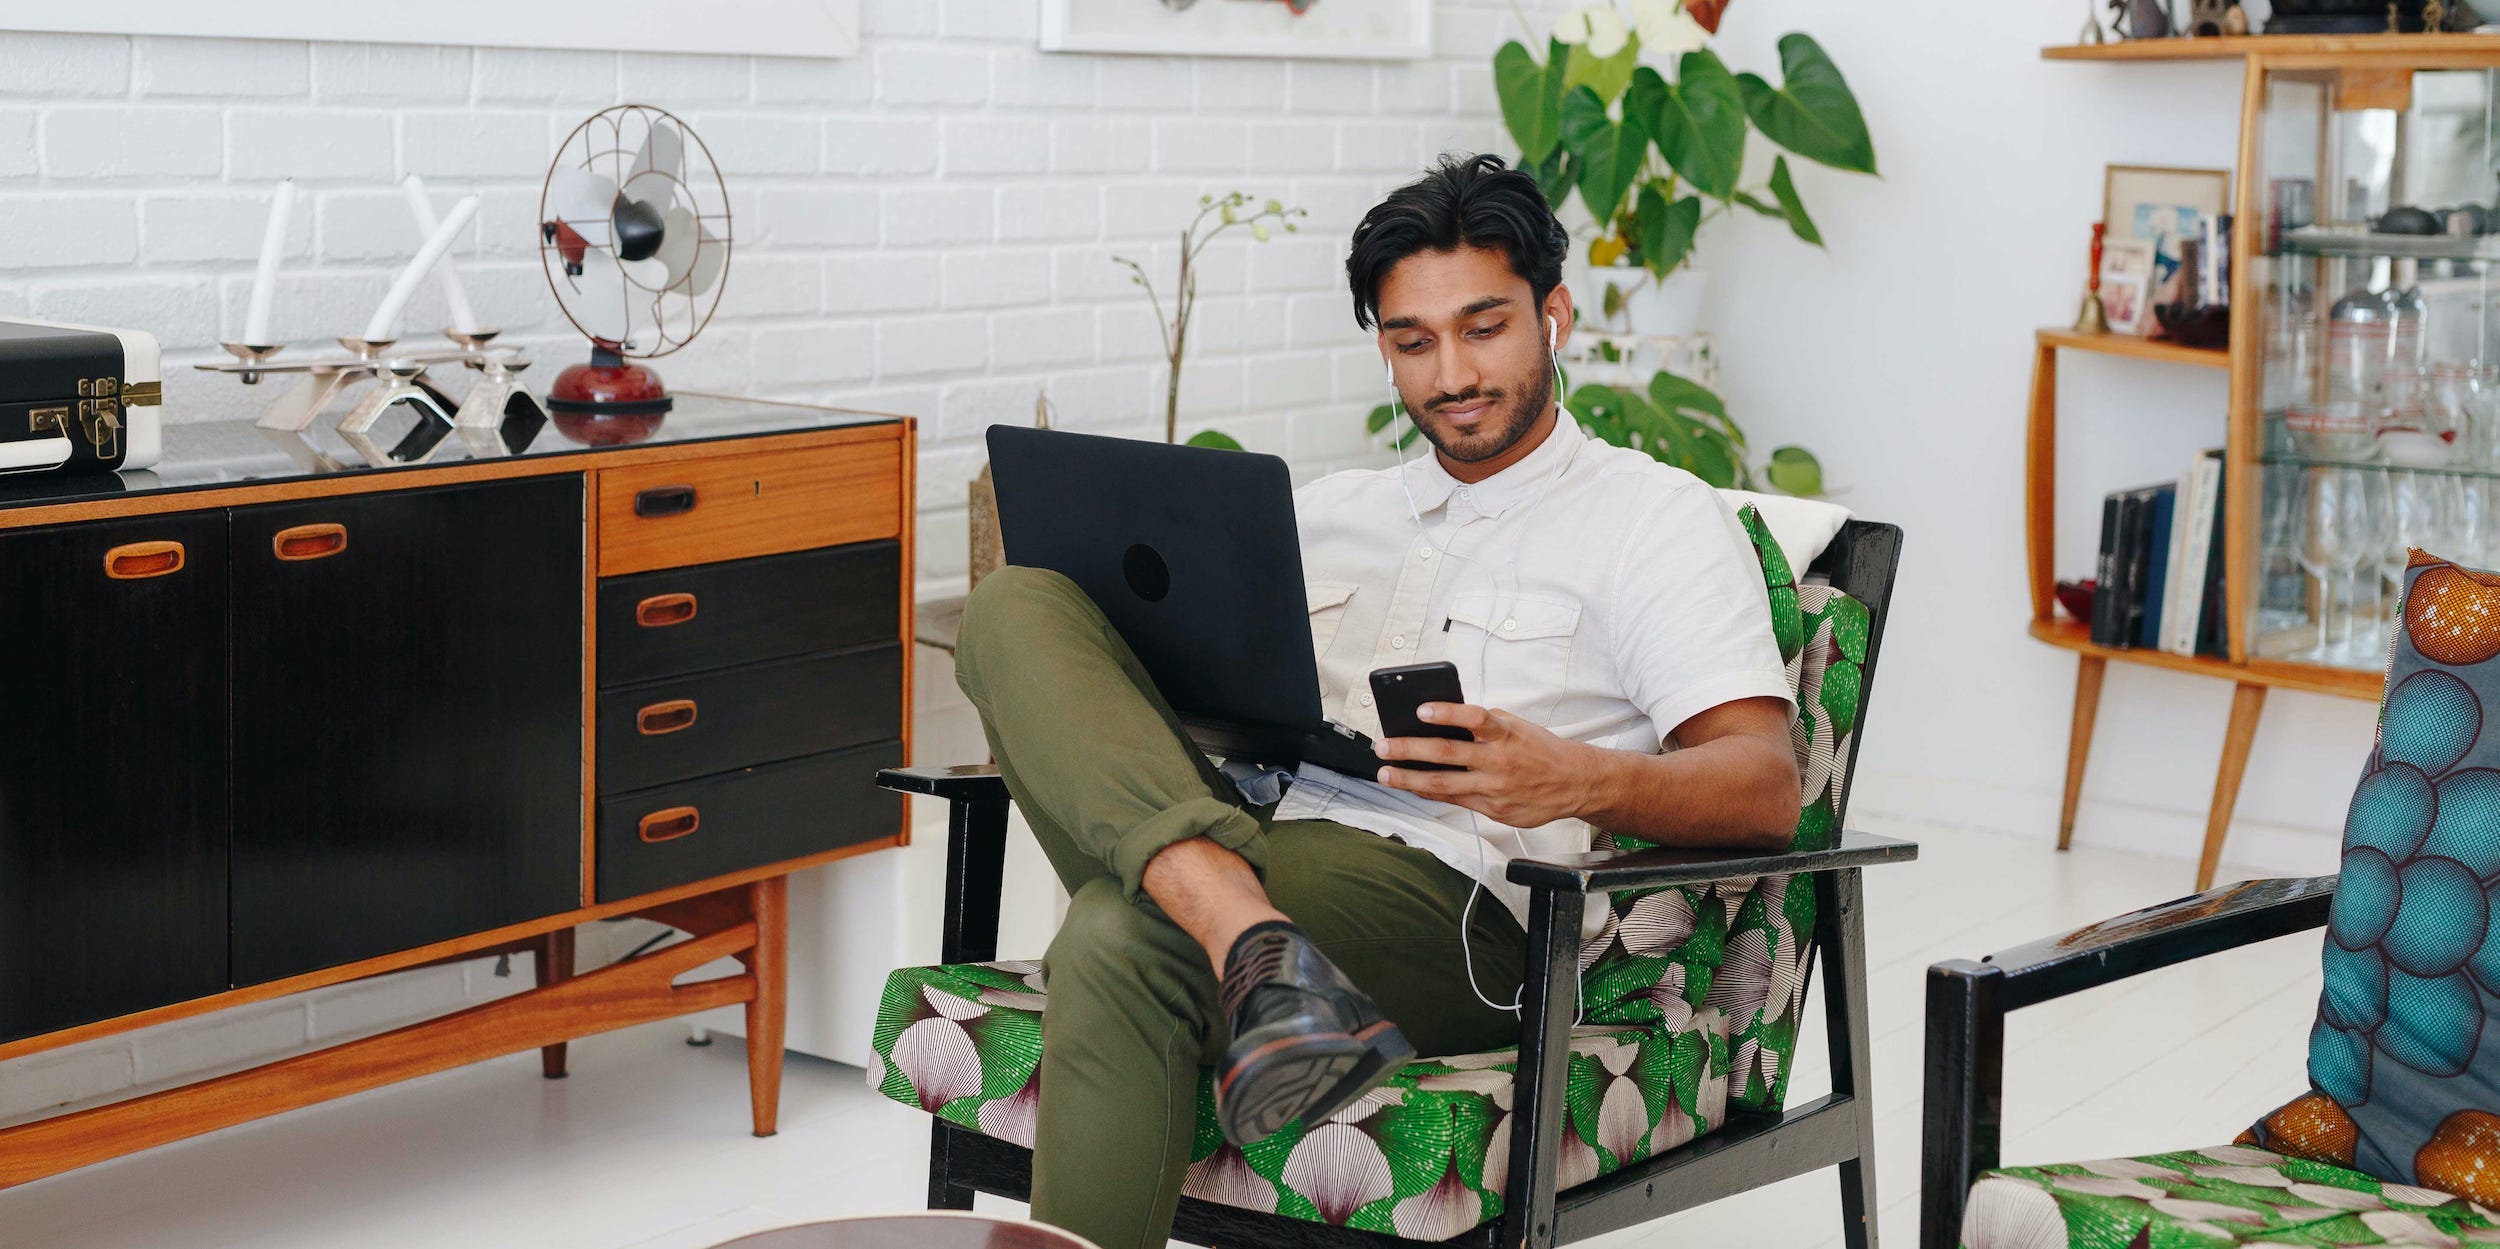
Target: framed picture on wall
x,y
2162,206
1378,30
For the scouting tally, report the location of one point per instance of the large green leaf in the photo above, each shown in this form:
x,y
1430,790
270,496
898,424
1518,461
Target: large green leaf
x,y
1707,453
1784,189
1700,125
1676,393
1666,230
1794,470
1215,438
1531,96
1607,76
1609,152
1812,113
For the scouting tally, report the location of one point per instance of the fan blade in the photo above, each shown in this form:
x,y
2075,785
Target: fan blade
x,y
650,275
663,152
711,259
678,245
598,302
579,196
570,245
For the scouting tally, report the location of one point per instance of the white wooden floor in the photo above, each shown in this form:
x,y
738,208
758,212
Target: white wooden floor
x,y
646,1145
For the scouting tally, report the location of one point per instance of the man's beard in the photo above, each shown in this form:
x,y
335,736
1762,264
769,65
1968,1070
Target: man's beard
x,y
1505,426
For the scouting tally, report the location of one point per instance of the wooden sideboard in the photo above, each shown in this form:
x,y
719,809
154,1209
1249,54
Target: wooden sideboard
x,y
290,711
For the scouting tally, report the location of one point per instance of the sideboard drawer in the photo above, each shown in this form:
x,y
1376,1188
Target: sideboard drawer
x,y
678,728
652,839
679,620
736,506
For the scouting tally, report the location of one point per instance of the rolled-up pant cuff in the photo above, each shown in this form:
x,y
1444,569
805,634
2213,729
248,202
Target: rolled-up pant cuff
x,y
1218,821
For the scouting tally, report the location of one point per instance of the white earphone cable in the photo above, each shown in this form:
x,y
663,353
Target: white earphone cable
x,y
1466,950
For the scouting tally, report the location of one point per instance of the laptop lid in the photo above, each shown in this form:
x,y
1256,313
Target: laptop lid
x,y
1191,551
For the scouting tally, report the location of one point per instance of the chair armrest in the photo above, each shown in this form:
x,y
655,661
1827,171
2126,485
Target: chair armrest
x,y
965,782
1599,872
2155,937
1963,1118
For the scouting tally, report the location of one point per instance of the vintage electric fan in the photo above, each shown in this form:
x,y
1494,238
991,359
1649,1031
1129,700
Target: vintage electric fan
x,y
634,235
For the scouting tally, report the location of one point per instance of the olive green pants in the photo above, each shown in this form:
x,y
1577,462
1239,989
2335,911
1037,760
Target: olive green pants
x,y
1101,770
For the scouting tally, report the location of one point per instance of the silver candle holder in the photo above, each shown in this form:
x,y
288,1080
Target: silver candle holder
x,y
401,377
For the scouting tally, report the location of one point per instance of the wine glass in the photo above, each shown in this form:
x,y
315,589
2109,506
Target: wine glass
x,y
2382,554
2357,542
2279,613
2323,528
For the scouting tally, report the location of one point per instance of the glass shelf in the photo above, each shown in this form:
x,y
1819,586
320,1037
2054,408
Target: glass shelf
x,y
2288,460
2359,243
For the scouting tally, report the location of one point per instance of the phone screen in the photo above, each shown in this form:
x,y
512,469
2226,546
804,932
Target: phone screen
x,y
1397,692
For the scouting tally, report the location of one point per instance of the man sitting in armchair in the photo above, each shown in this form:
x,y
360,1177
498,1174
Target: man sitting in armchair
x,y
1603,608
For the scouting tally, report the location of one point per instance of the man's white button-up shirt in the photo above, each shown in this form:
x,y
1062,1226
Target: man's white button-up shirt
x,y
1587,588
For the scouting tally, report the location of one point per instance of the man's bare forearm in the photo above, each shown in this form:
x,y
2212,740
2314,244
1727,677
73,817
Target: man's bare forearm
x,y
1733,791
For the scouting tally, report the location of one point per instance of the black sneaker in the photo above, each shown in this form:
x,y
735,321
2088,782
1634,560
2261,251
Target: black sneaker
x,y
1306,1043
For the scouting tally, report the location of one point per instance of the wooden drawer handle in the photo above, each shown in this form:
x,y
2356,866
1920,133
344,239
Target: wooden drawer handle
x,y
670,824
667,717
304,542
662,610
132,561
661,501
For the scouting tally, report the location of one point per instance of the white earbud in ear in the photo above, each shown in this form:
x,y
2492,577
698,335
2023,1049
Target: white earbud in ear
x,y
1553,335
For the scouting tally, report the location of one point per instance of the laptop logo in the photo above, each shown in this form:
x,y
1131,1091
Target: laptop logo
x,y
1148,577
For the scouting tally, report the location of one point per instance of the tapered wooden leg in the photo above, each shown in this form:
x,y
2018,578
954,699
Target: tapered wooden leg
x,y
2088,673
2246,702
555,966
766,1012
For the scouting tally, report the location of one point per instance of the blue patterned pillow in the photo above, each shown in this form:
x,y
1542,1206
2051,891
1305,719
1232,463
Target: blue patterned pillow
x,y
2403,1087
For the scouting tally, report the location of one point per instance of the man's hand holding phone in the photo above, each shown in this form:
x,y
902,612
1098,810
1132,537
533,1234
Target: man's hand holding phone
x,y
1488,761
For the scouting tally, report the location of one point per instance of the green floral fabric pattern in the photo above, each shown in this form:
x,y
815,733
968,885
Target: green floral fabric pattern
x,y
1691,998
1425,1156
2227,1195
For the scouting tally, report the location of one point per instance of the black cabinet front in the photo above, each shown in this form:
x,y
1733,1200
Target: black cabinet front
x,y
113,776
407,719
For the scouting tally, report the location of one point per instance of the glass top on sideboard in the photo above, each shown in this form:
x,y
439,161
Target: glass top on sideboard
x,y
208,454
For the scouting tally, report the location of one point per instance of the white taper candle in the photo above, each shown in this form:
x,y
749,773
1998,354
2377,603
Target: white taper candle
x,y
386,318
265,279
456,296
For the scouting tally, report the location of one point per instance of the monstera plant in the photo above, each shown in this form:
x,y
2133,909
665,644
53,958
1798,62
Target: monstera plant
x,y
1632,113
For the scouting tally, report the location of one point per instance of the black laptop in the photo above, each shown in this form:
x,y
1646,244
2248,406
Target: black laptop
x,y
1193,554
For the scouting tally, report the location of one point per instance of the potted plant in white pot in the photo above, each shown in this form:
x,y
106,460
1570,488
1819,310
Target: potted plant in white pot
x,y
1633,115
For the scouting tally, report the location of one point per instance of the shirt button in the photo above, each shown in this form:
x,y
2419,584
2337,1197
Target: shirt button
x,y
1398,642
1425,553
1365,699
1465,493
1510,626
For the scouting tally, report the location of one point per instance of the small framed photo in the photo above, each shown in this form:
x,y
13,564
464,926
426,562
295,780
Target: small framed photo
x,y
2127,284
2163,206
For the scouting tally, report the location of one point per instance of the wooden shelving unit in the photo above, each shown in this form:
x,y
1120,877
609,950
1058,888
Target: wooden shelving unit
x,y
2367,71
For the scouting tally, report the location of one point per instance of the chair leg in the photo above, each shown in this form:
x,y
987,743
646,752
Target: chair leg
x,y
943,1195
1842,922
1538,1088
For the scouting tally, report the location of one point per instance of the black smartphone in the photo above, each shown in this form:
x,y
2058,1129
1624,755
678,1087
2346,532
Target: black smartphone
x,y
1397,692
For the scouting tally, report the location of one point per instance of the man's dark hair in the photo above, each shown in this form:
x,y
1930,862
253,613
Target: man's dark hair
x,y
1471,201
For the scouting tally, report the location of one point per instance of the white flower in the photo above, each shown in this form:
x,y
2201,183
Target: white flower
x,y
1607,32
1666,29
1572,28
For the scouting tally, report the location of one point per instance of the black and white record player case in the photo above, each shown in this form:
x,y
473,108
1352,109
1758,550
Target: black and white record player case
x,y
77,398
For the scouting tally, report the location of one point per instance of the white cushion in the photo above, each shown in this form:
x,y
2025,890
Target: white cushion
x,y
1802,527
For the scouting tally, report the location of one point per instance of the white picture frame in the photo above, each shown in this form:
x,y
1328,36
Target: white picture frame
x,y
803,28
1364,30
2127,284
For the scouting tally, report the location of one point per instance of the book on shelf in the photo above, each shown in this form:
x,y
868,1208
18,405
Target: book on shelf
x,y
2160,564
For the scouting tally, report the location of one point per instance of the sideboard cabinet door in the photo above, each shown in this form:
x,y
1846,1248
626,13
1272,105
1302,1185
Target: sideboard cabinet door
x,y
407,719
113,776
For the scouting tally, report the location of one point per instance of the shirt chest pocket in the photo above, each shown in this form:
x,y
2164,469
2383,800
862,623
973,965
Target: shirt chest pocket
x,y
1328,603
1516,648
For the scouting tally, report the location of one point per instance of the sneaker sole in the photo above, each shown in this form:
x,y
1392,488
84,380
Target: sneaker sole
x,y
1385,1050
1279,1080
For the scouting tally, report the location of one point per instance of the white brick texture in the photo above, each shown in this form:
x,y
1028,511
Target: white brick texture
x,y
926,227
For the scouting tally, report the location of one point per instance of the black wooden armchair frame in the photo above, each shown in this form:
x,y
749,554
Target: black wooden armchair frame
x,y
1967,1003
1750,1151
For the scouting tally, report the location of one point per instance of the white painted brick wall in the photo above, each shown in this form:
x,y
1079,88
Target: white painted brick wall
x,y
924,228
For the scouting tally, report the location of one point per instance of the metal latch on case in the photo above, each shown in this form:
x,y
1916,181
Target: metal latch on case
x,y
103,423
